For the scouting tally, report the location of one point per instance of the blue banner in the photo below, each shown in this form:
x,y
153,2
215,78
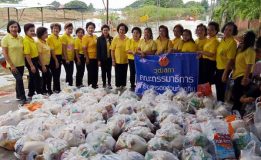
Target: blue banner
x,y
171,71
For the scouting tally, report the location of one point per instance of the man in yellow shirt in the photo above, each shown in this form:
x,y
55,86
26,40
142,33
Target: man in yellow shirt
x,y
119,56
132,48
12,46
68,52
177,41
55,44
32,60
90,50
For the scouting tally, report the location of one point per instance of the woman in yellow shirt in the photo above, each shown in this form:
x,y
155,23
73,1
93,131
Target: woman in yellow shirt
x,y
79,55
226,52
55,44
132,47
177,41
188,42
68,52
164,44
147,45
119,56
242,69
104,55
12,46
45,57
90,50
209,55
32,60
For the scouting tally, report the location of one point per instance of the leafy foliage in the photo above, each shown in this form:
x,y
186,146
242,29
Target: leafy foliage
x,y
79,5
10,1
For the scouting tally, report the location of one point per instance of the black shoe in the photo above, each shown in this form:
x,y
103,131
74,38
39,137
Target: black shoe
x,y
95,87
109,86
56,92
104,85
50,92
23,102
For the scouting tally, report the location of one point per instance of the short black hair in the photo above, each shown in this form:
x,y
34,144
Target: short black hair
x,y
166,29
180,27
248,40
80,29
136,29
190,34
150,32
67,25
258,43
55,25
11,22
122,25
40,32
90,24
27,26
215,25
203,26
235,30
105,26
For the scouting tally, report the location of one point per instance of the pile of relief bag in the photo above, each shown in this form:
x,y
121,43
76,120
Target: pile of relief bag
x,y
96,124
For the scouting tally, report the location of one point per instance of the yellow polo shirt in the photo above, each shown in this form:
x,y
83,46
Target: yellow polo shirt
x,y
211,46
189,47
30,47
78,45
69,42
55,43
44,51
177,43
200,43
226,51
133,46
14,46
90,43
163,46
148,46
242,60
119,46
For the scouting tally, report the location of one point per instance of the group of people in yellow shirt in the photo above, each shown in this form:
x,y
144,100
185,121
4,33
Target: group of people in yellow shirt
x,y
47,54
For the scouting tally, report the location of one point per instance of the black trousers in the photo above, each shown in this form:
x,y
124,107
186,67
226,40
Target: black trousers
x,y
80,70
207,71
92,69
237,92
34,78
56,73
19,83
132,72
121,74
220,86
47,80
106,66
69,67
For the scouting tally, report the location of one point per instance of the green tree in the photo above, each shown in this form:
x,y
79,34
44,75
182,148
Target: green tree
x,y
192,4
76,5
10,1
55,4
171,3
91,8
204,3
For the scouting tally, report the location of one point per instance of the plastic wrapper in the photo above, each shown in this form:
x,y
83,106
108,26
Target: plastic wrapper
x,y
100,141
110,98
178,142
54,148
85,150
209,102
107,156
160,155
13,118
128,95
126,107
165,97
145,108
251,151
223,109
169,131
196,138
131,142
205,114
130,155
165,109
195,153
149,97
8,136
157,143
143,118
240,139
257,119
143,132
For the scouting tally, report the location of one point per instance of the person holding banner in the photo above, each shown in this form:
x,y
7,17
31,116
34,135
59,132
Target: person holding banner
x,y
188,44
89,42
119,56
209,54
12,46
164,44
132,48
226,52
147,45
243,65
79,57
55,43
177,41
68,53
32,60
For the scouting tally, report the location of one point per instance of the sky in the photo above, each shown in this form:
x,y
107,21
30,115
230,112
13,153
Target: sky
x,y
96,3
